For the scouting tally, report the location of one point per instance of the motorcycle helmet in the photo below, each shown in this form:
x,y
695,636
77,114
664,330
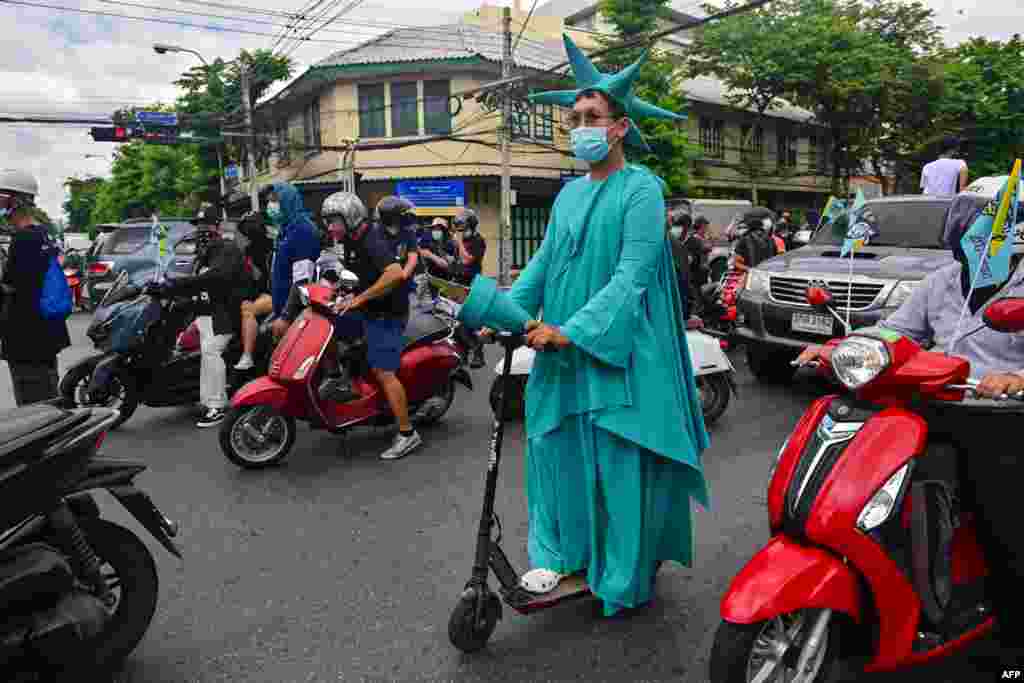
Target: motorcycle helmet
x,y
466,221
393,212
345,207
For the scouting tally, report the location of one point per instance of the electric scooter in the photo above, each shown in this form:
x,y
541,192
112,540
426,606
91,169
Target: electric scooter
x,y
872,557
477,613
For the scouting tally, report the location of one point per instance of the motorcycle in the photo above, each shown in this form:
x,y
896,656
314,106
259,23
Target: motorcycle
x,y
712,370
717,306
871,556
72,262
77,592
260,428
143,359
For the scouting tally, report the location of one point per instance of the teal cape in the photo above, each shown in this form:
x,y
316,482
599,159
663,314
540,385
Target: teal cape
x,y
613,422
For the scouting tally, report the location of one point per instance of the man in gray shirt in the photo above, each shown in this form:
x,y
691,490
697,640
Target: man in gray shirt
x,y
984,433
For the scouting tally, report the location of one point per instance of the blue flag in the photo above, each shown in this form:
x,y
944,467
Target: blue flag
x,y
987,257
860,232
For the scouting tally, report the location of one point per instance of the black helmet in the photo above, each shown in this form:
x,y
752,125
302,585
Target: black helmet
x,y
391,209
681,219
208,214
700,220
466,220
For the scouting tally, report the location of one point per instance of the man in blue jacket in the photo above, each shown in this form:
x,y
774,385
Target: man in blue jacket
x,y
297,243
29,342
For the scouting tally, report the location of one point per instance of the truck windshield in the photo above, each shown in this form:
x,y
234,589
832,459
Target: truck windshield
x,y
900,224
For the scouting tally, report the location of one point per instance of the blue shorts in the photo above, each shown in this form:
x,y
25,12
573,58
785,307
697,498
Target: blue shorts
x,y
384,338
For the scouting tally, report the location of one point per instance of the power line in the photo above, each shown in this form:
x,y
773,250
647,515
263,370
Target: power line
x,y
311,31
523,29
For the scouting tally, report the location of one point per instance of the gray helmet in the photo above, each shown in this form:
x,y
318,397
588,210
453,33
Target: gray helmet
x,y
346,205
466,220
391,209
19,182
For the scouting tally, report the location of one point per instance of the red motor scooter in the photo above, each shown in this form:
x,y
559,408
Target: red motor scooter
x,y
260,428
870,558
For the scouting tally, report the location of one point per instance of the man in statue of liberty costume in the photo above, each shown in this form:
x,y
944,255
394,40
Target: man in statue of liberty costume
x,y
614,426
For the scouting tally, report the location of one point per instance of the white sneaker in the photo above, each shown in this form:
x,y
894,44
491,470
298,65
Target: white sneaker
x,y
403,446
245,362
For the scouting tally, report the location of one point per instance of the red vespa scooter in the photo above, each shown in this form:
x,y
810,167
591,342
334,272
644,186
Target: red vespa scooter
x,y
260,428
870,558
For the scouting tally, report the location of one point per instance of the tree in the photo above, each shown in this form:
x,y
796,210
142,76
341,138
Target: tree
x,y
81,201
672,153
984,102
168,178
213,97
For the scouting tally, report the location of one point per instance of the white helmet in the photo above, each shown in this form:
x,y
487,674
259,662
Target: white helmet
x,y
21,182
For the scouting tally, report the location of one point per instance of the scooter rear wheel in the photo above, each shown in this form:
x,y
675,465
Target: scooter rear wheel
x,y
463,630
714,396
255,437
744,653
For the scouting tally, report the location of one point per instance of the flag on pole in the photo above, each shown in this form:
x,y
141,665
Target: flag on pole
x,y
860,232
984,243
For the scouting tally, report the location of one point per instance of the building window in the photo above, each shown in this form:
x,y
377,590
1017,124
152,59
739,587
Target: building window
x,y
787,149
752,144
405,119
711,138
372,122
818,160
544,121
521,115
311,138
437,118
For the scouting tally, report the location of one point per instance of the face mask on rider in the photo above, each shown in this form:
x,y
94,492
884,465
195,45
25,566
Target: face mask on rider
x,y
438,235
676,232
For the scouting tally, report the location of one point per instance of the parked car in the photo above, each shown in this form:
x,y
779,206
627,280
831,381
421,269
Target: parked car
x,y
775,321
123,247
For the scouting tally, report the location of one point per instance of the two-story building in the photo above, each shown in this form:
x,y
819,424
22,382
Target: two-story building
x,y
411,99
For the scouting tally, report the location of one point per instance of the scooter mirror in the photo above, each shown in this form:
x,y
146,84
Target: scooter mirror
x,y
1006,315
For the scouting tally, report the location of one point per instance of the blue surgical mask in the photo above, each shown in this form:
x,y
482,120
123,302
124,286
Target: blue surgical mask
x,y
274,213
590,143
676,232
437,235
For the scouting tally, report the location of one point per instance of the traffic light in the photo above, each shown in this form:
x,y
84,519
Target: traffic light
x,y
115,134
162,135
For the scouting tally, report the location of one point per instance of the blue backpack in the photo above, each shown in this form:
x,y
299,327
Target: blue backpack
x,y
55,296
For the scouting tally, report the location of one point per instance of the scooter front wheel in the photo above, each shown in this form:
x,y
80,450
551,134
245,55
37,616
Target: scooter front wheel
x,y
771,650
464,630
255,437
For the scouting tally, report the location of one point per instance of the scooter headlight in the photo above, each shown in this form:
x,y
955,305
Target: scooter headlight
x,y
858,360
881,505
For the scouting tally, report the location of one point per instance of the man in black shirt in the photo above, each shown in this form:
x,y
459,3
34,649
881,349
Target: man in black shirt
x,y
222,284
378,254
756,245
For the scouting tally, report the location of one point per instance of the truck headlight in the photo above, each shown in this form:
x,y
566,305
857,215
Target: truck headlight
x,y
858,360
881,505
757,282
900,293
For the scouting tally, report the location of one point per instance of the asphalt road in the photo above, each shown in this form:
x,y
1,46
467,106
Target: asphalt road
x,y
342,567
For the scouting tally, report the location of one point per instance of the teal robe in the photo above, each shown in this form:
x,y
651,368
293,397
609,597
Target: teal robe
x,y
613,422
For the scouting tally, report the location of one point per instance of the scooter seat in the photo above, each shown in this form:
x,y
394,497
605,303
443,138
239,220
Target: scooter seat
x,y
22,426
423,328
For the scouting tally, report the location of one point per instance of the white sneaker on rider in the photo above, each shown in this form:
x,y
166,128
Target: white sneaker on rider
x,y
402,446
245,362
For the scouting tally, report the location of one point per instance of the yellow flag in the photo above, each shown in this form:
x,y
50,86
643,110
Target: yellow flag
x,y
1008,200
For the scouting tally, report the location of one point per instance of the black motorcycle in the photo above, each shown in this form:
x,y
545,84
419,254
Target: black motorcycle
x,y
77,592
140,360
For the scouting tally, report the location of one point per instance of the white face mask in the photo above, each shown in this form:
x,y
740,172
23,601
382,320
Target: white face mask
x,y
676,232
273,231
437,235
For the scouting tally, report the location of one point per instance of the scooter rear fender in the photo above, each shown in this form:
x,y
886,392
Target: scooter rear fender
x,y
262,391
785,576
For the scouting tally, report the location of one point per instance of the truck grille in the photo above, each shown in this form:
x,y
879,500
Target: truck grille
x,y
792,291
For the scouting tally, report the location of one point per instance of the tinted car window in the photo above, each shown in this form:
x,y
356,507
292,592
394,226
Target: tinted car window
x,y
900,224
125,241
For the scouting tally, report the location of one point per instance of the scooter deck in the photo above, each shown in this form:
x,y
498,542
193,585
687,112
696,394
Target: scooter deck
x,y
569,588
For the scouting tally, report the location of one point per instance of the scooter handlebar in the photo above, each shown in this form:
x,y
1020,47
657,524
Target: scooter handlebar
x,y
972,387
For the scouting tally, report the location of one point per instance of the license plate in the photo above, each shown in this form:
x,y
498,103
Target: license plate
x,y
815,324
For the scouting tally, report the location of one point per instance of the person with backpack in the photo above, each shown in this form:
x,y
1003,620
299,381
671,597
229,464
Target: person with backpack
x,y
33,305
756,245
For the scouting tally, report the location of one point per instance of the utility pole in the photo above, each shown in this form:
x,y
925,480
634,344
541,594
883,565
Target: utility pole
x,y
505,228
254,199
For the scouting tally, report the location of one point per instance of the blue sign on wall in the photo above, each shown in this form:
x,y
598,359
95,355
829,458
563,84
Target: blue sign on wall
x,y
157,118
231,171
433,193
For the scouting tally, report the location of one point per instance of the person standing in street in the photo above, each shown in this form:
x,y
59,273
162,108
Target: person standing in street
x,y
29,342
614,429
222,283
947,175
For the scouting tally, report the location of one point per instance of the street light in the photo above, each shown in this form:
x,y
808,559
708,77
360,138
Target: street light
x,y
164,48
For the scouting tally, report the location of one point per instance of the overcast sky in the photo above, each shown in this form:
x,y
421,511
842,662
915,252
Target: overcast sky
x,y
55,62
